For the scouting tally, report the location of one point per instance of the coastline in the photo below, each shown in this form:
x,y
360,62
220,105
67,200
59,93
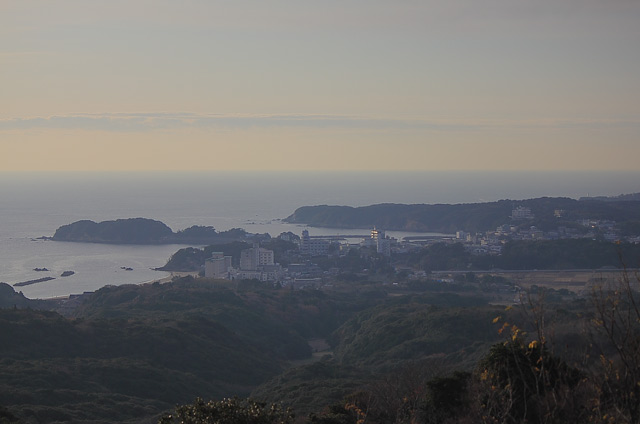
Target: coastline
x,y
206,199
162,280
170,277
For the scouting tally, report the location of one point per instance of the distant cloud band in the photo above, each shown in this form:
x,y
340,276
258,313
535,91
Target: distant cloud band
x,y
135,122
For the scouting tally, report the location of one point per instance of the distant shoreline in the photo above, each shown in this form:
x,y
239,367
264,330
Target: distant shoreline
x,y
170,277
162,280
36,281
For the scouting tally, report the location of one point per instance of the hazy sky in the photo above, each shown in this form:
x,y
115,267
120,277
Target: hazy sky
x,y
348,85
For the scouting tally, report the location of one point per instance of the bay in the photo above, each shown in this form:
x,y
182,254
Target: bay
x,y
36,204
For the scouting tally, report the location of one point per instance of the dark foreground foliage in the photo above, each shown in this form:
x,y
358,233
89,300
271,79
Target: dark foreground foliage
x,y
130,354
229,411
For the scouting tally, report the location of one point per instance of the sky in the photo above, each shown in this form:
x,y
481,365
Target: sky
x,y
357,85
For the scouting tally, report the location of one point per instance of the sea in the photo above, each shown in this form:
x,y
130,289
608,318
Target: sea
x,y
35,204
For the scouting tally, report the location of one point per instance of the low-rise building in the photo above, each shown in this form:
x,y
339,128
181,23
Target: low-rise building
x,y
380,241
521,212
218,266
251,259
313,246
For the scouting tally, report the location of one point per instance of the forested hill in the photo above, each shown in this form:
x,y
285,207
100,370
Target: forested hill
x,y
142,231
10,299
466,217
132,352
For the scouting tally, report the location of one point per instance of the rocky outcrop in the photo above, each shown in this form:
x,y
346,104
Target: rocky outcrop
x,y
144,231
120,231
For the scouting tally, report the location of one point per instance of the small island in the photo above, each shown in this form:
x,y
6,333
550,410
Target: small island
x,y
67,273
144,231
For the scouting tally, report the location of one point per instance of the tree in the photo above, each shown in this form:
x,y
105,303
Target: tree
x,y
617,318
520,382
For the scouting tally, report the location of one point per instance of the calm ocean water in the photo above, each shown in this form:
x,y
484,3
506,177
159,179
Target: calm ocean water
x,y
35,204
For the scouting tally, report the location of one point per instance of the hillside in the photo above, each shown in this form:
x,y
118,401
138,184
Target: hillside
x,y
10,299
527,255
432,357
470,217
53,369
128,353
415,328
446,331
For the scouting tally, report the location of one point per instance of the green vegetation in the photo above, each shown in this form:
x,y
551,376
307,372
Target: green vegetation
x,y
49,361
309,388
131,353
229,411
139,350
413,328
10,299
561,254
526,255
192,258
143,231
440,256
136,230
472,217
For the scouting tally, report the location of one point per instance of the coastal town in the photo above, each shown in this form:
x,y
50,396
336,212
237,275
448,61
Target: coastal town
x,y
308,255
497,247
